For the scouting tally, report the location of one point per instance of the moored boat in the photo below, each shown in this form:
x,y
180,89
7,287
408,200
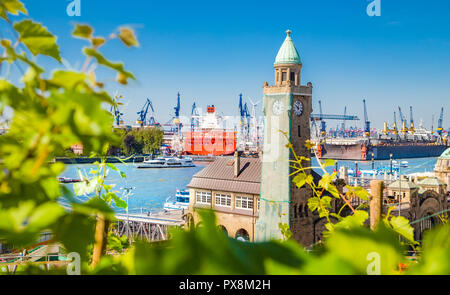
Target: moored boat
x,y
167,162
181,201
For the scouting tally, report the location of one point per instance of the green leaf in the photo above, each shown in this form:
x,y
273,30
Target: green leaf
x,y
361,193
435,254
127,36
83,31
118,201
98,41
360,247
45,215
356,220
329,162
401,225
103,61
326,201
11,7
37,38
313,203
76,232
68,79
300,179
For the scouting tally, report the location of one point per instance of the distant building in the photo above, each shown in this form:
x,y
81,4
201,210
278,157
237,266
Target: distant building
x,y
77,149
433,183
402,190
442,168
230,186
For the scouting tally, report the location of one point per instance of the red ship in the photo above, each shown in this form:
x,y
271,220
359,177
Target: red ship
x,y
208,138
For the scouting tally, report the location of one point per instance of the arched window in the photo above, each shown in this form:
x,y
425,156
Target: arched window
x,y
223,228
242,235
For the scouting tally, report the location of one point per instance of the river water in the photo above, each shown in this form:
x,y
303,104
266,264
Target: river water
x,y
151,187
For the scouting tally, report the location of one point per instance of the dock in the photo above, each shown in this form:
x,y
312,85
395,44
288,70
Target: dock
x,y
150,227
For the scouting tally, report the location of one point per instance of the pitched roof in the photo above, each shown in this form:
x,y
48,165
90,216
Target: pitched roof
x,y
404,184
219,175
288,54
431,181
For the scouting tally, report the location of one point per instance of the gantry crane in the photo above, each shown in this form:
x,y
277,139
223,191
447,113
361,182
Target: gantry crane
x,y
117,114
394,128
366,121
411,119
176,118
343,121
142,118
440,122
403,120
323,125
194,117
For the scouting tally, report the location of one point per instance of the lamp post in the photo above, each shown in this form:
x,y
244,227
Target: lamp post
x,y
390,155
373,161
400,191
127,194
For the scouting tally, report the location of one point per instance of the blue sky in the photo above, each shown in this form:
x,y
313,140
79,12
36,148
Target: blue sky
x,y
211,51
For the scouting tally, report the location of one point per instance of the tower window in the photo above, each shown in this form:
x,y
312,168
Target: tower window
x,y
292,76
299,132
283,76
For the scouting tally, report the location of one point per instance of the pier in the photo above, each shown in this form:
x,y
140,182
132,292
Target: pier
x,y
153,227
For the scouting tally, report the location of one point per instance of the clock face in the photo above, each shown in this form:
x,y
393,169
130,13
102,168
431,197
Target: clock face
x,y
277,107
298,108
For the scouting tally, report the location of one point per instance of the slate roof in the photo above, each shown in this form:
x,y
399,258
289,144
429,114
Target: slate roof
x,y
219,175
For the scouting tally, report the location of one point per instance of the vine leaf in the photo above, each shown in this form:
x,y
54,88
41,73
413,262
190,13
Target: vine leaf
x,y
11,7
128,38
38,39
83,31
124,75
401,225
300,180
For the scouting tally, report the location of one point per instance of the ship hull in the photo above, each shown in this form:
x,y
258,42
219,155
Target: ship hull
x,y
358,151
210,142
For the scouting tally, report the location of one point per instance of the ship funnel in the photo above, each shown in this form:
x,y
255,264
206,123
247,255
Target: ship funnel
x,y
237,164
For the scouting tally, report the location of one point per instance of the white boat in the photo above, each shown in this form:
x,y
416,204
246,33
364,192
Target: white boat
x,y
181,201
167,162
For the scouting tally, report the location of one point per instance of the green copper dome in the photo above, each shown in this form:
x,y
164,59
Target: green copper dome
x,y
288,54
445,154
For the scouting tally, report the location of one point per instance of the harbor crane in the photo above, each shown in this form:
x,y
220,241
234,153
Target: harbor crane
x,y
142,118
323,125
244,113
440,122
322,117
343,121
176,118
194,117
394,128
366,121
411,127
403,120
117,114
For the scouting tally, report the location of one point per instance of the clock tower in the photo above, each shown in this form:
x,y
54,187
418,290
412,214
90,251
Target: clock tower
x,y
287,106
